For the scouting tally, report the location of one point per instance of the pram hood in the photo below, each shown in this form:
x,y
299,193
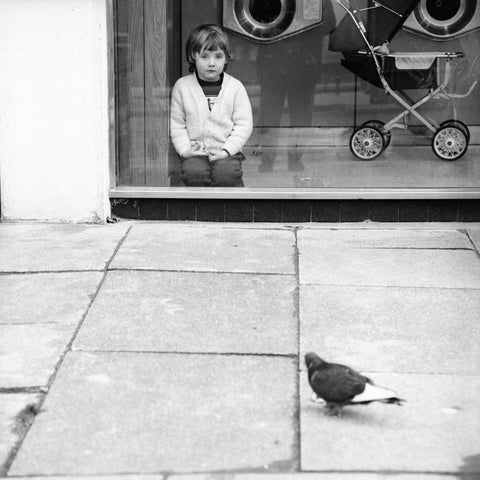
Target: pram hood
x,y
381,23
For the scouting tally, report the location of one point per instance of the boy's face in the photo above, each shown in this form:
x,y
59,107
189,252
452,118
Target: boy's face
x,y
210,64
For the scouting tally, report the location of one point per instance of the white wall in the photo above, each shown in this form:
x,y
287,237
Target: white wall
x,y
54,152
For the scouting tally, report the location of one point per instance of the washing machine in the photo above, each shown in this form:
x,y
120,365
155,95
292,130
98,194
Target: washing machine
x,y
267,21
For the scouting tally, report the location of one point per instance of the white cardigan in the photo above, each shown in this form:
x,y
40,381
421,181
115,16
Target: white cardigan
x,y
228,126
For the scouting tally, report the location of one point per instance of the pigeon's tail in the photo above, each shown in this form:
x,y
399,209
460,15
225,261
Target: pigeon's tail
x,y
394,400
375,393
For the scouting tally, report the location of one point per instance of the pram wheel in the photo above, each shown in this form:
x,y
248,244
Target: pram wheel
x,y
387,136
450,142
367,143
458,123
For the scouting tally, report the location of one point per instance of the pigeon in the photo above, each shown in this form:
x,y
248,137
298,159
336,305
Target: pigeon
x,y
339,385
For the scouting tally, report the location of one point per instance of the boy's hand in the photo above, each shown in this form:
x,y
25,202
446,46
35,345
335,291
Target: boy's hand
x,y
194,151
218,156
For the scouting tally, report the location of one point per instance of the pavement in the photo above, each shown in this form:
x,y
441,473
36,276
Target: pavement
x,y
154,351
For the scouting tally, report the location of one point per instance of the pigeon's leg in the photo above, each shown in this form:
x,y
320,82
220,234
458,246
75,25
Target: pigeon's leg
x,y
334,409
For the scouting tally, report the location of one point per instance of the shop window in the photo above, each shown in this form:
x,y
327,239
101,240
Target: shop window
x,y
306,104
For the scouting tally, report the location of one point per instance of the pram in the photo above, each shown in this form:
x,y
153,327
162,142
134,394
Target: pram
x,y
362,36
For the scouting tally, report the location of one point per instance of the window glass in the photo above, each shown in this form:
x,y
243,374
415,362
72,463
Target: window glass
x,y
306,104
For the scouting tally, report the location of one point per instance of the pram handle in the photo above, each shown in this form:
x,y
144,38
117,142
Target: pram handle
x,y
432,55
422,54
362,30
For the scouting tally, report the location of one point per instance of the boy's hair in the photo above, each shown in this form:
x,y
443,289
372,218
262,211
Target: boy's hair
x,y
206,37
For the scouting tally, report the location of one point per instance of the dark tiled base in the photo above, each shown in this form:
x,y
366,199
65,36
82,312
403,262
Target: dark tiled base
x,y
298,211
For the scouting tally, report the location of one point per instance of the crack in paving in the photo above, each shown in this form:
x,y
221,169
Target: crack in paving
x,y
16,390
189,352
416,248
297,427
21,424
38,272
213,272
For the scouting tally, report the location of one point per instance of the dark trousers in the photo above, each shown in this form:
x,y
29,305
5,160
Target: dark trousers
x,y
200,172
300,93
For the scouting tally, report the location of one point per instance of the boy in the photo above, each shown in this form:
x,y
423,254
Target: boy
x,y
211,115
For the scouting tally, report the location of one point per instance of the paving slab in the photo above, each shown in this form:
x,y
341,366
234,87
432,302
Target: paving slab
x,y
54,247
150,413
205,248
436,431
393,329
46,297
390,267
193,312
383,238
12,421
29,353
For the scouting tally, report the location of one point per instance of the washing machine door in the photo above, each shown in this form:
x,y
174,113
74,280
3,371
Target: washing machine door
x,y
444,19
271,20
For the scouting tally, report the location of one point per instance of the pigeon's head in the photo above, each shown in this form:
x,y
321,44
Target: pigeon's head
x,y
312,360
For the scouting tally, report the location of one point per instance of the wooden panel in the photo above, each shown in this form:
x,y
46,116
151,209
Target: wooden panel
x,y
142,92
156,92
130,93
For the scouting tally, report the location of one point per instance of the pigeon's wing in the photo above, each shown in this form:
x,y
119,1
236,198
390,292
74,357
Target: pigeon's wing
x,y
337,383
376,393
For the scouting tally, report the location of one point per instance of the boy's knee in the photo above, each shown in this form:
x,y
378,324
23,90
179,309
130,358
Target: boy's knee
x,y
228,173
196,172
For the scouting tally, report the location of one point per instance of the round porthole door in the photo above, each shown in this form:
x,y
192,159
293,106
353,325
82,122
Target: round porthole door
x,y
271,20
265,18
443,19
